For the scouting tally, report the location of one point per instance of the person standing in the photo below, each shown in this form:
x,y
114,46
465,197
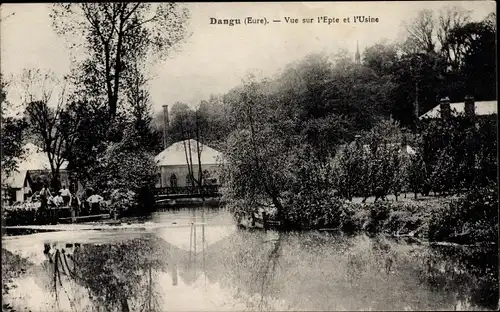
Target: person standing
x,y
94,200
75,204
66,195
44,196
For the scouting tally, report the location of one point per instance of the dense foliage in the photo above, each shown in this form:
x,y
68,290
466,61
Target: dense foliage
x,y
124,170
289,140
471,219
457,154
13,129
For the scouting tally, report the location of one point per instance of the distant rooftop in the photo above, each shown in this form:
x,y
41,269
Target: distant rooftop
x,y
35,159
484,108
175,154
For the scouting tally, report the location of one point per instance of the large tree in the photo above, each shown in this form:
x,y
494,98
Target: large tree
x,y
116,36
12,132
140,112
44,115
421,32
475,46
449,19
84,124
215,114
381,57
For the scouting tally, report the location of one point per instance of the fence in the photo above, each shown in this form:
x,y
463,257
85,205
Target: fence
x,y
207,190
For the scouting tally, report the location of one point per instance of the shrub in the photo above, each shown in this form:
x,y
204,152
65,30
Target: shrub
x,y
393,217
473,218
351,217
122,200
402,222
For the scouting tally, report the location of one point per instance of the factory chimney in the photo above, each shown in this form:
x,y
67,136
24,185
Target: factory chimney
x,y
165,126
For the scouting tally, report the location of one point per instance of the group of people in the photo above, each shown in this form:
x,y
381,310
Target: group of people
x,y
66,199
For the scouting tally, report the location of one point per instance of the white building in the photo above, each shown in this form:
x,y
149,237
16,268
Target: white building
x,y
176,161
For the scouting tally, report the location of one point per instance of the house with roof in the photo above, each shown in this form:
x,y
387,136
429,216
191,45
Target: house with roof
x,y
17,187
180,159
469,108
35,165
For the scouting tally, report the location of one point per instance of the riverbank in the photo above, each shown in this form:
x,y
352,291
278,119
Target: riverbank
x,y
468,219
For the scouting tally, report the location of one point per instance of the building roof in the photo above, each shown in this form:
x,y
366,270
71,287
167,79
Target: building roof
x,y
36,159
16,179
484,108
175,154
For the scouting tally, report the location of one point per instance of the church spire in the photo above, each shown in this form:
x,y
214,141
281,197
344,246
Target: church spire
x,y
357,56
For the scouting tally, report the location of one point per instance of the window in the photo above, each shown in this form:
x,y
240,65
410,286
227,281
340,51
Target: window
x,y
173,180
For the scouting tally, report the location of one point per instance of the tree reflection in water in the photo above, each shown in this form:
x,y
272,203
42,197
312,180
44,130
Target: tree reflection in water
x,y
306,270
122,276
268,272
470,273
118,276
252,271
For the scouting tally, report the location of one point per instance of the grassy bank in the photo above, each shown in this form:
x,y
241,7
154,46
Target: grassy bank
x,y
469,219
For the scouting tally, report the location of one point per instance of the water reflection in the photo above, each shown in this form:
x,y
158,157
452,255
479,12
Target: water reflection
x,y
115,276
203,262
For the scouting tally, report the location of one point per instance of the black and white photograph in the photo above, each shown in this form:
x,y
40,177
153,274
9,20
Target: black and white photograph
x,y
249,156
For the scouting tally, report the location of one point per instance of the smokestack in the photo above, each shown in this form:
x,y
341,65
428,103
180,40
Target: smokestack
x,y
165,126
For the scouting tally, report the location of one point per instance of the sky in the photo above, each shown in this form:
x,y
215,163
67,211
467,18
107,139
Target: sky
x,y
216,58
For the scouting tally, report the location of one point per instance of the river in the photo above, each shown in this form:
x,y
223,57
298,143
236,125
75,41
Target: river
x,y
198,260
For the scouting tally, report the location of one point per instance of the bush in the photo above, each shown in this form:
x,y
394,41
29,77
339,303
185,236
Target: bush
x,y
327,212
351,217
471,219
122,200
393,217
378,213
402,222
350,170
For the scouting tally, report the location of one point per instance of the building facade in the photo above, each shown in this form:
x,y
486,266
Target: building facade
x,y
178,164
17,187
